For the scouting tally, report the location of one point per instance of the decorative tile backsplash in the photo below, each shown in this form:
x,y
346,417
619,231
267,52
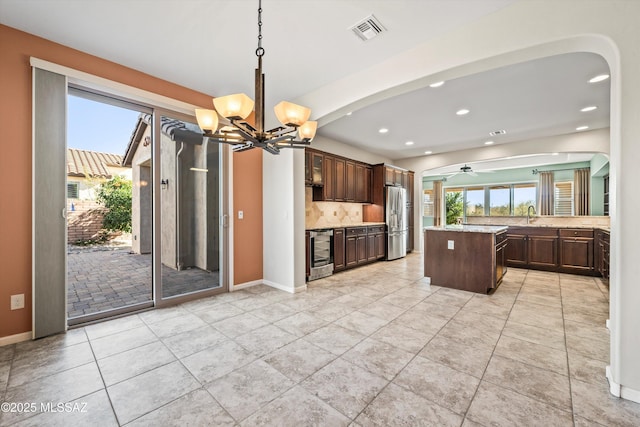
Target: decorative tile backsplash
x,y
329,214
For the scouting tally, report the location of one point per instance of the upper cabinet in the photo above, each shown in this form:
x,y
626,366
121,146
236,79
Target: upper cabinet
x,y
313,168
341,179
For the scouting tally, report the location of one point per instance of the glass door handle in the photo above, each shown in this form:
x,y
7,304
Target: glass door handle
x,y
225,220
64,213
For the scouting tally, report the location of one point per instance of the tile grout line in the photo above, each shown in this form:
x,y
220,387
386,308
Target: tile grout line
x,y
495,345
407,364
106,391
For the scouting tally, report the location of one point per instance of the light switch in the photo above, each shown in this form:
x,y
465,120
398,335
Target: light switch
x,y
240,214
450,244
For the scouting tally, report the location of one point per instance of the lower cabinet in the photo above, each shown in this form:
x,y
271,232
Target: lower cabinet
x,y
576,251
601,253
354,246
501,258
338,250
566,250
532,247
307,257
516,252
542,250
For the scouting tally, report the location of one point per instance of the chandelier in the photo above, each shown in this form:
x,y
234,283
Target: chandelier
x,y
237,107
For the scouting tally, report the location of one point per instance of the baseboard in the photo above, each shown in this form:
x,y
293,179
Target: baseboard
x,y
12,339
246,285
285,288
620,390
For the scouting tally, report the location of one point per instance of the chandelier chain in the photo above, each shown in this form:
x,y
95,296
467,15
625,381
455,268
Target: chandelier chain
x,y
260,49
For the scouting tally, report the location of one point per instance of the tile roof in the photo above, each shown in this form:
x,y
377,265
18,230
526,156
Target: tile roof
x,y
91,163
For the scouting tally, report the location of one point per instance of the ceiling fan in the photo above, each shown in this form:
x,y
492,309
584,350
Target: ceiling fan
x,y
466,169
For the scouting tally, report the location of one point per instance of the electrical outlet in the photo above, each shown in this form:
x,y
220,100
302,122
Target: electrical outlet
x,y
17,301
240,214
450,244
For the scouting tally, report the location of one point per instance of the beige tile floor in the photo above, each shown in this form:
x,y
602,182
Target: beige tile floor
x,y
375,346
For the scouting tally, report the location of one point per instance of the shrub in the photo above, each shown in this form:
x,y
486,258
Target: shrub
x,y
115,195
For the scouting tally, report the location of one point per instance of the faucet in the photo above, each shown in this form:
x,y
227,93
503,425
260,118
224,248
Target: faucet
x,y
529,212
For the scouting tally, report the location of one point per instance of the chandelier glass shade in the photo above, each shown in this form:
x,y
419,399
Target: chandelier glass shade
x,y
237,107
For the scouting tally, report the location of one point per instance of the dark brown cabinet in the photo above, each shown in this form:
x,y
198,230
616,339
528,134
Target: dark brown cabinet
x,y
542,251
601,253
576,251
606,195
350,181
307,244
566,250
532,247
355,246
408,186
363,245
501,261
471,265
313,168
338,250
340,180
375,242
516,252
362,183
380,245
328,190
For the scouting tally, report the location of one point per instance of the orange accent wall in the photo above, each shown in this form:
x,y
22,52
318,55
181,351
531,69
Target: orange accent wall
x,y
247,197
15,162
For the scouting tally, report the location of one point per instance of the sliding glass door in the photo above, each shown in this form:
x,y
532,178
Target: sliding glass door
x,y
190,209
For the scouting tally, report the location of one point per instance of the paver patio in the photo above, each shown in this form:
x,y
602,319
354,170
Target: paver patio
x,y
105,278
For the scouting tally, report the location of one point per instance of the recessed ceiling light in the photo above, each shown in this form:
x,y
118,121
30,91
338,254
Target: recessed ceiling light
x,y
428,152
599,78
436,84
462,112
589,108
554,154
383,130
582,128
349,113
408,143
488,143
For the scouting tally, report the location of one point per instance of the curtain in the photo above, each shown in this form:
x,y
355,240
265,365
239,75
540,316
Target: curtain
x,y
545,193
437,203
581,183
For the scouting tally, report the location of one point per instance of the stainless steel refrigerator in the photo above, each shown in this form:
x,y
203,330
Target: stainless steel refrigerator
x,y
396,219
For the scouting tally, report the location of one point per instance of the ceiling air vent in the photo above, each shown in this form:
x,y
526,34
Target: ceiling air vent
x,y
368,28
497,132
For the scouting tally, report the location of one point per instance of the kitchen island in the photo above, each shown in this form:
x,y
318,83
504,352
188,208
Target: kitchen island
x,y
466,257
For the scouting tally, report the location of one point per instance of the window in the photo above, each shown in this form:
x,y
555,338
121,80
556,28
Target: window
x,y
496,200
563,198
454,205
72,190
524,195
500,200
428,202
475,201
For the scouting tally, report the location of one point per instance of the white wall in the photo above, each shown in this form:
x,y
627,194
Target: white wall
x,y
523,31
283,226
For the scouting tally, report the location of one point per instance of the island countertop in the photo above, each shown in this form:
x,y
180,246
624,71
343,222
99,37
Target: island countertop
x,y
469,228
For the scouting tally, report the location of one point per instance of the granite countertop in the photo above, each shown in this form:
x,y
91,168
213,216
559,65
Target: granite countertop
x,y
470,228
355,224
594,227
